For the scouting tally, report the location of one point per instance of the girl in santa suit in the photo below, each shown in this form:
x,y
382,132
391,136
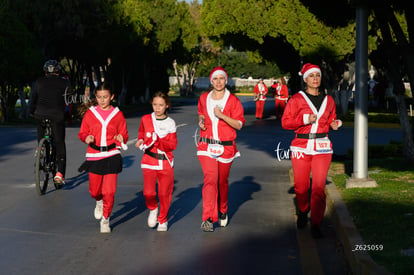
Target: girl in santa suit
x,y
104,130
260,91
157,138
281,97
311,114
220,114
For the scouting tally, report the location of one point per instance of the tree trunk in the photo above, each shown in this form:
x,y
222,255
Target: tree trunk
x,y
147,80
177,75
184,88
124,90
395,53
408,144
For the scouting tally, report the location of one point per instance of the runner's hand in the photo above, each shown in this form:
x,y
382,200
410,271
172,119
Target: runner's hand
x,y
90,139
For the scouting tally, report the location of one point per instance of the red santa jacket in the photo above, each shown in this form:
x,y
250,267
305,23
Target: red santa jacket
x,y
160,139
261,91
103,131
217,129
295,117
282,92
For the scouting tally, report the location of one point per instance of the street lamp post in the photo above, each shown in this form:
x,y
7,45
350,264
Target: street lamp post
x,y
360,172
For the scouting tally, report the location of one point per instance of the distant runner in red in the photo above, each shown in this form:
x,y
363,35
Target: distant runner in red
x,y
281,97
260,91
311,114
220,114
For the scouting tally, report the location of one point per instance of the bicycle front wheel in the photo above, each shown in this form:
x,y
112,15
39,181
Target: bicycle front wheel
x,y
42,163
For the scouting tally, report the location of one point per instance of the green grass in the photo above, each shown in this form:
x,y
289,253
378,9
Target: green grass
x,y
383,215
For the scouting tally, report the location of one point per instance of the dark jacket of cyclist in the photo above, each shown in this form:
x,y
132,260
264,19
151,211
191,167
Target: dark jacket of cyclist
x,y
49,97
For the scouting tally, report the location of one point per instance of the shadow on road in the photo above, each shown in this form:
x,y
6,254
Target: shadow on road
x,y
73,182
129,210
241,192
186,201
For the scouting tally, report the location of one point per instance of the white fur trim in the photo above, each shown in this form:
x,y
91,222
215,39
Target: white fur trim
x,y
102,154
311,70
306,119
216,73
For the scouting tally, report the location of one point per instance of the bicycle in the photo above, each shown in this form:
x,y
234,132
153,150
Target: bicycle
x,y
45,159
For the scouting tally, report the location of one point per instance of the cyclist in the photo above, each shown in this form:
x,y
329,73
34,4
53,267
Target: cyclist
x,y
48,102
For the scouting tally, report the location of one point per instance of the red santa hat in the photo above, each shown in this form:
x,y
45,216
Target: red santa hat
x,y
309,68
217,71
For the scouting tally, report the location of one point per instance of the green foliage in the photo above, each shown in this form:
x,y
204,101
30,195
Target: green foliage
x,y
384,215
292,20
383,118
239,64
391,150
18,52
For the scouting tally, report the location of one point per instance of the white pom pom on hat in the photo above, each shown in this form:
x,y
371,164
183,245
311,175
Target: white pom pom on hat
x,y
309,68
218,71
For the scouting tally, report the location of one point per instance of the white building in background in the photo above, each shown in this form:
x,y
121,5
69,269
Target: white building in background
x,y
204,82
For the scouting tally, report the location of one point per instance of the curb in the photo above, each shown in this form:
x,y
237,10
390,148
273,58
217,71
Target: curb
x,y
360,262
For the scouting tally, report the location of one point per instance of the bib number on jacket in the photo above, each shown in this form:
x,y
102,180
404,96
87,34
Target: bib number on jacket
x,y
215,150
323,145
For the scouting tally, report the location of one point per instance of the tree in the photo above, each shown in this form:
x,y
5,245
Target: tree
x,y
20,60
284,31
395,45
137,37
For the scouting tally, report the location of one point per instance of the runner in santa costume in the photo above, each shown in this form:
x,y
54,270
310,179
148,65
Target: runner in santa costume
x,y
281,97
311,114
220,115
157,138
104,130
260,91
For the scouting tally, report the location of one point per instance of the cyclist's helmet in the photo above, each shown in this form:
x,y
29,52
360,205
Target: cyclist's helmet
x,y
52,66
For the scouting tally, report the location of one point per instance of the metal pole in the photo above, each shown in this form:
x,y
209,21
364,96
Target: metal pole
x,y
361,103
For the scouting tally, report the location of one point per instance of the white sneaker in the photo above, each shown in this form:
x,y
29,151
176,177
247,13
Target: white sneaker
x,y
59,180
162,227
152,218
105,225
223,219
98,210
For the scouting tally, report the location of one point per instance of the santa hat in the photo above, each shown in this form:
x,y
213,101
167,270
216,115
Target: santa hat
x,y
309,68
217,71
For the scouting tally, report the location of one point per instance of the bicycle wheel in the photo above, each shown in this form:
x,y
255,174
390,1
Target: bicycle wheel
x,y
42,166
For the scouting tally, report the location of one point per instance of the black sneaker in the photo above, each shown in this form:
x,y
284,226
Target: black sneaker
x,y
316,232
223,219
302,219
207,226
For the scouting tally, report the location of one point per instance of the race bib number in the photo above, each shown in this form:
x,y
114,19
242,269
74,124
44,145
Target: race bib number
x,y
323,145
215,150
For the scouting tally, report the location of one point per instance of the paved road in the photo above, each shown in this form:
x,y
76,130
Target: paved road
x,y
57,233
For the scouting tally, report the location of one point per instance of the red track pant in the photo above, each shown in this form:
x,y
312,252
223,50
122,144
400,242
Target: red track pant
x,y
302,167
259,108
103,187
215,188
280,107
165,188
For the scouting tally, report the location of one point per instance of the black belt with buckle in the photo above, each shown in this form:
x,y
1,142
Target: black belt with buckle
x,y
213,141
156,155
102,148
312,135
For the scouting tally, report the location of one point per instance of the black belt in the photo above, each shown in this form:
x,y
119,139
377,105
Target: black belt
x,y
213,141
156,155
102,148
312,135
